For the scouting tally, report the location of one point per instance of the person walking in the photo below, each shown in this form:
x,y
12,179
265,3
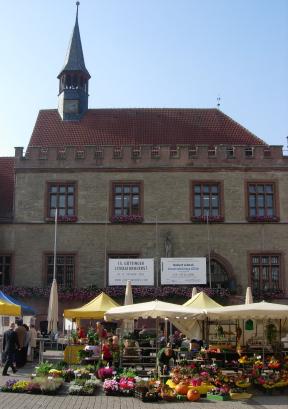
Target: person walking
x,y
10,346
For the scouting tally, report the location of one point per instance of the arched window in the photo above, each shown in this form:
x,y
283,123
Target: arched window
x,y
219,275
75,81
68,81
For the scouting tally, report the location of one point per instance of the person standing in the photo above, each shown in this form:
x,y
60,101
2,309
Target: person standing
x,y
32,343
22,337
10,345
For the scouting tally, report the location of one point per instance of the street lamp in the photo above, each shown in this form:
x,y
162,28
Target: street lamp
x,y
209,252
208,204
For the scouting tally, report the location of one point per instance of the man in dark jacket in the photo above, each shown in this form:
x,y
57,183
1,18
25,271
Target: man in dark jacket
x,y
10,345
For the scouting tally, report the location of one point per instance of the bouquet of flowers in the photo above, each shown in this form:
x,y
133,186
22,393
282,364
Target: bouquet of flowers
x,y
111,387
126,385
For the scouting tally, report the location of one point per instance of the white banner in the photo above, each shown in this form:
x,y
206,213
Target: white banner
x,y
183,271
140,271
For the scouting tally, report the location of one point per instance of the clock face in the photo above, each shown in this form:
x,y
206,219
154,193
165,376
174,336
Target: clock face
x,y
71,106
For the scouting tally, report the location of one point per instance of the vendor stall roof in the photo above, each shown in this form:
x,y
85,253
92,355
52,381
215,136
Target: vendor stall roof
x,y
95,309
7,308
259,310
201,300
26,309
153,309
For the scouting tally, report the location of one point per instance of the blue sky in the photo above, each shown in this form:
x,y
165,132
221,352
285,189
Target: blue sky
x,y
149,53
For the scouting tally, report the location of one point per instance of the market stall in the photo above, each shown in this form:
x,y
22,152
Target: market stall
x,y
94,310
263,313
177,314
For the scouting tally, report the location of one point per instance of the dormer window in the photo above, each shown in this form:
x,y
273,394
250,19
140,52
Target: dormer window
x,y
174,152
155,152
136,152
249,152
117,153
99,154
212,151
192,152
230,152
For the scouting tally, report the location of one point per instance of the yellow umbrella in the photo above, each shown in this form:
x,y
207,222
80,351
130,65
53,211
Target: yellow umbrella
x,y
7,308
53,308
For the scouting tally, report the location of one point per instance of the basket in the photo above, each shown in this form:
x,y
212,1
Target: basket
x,y
146,396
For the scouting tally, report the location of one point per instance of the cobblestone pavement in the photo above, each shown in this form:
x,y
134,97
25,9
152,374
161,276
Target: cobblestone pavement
x,y
24,401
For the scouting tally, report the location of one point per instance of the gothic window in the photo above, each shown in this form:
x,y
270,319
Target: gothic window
x,y
219,275
265,272
62,197
126,199
206,201
261,201
65,269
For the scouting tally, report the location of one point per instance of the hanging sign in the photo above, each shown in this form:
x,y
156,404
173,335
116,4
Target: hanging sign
x,y
183,271
140,271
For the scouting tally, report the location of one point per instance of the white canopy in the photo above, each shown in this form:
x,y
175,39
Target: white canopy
x,y
258,310
153,309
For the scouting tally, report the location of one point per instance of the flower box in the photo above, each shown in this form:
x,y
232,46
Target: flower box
x,y
63,219
127,219
209,219
263,219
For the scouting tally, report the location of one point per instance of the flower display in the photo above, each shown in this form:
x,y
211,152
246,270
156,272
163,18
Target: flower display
x,y
20,386
55,373
273,363
105,372
8,387
110,385
88,293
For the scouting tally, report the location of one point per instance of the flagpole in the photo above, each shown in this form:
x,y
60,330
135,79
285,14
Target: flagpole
x,y
55,244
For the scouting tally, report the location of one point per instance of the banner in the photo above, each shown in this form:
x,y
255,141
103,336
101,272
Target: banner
x,y
183,271
140,271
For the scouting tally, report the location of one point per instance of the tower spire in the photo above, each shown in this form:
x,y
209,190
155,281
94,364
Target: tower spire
x,y
73,78
77,5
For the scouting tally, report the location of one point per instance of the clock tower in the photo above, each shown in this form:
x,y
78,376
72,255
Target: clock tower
x,y
73,80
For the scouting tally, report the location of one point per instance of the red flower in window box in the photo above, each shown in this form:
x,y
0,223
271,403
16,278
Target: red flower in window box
x,y
211,219
262,219
63,219
127,219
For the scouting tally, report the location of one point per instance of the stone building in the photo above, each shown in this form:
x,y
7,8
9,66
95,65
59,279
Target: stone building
x,y
124,180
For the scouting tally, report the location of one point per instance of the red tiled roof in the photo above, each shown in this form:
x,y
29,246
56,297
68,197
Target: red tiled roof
x,y
143,126
6,187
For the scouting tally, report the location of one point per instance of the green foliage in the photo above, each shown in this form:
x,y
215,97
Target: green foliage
x,y
82,354
92,337
44,368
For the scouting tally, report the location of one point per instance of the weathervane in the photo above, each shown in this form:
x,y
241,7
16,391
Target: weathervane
x,y
218,102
